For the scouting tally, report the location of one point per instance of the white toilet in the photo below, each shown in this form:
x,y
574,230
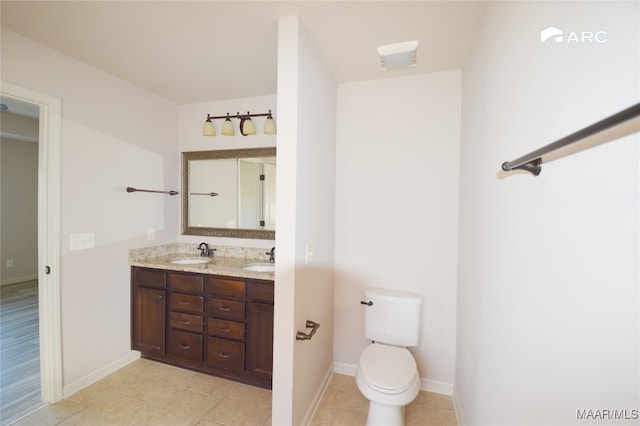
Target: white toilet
x,y
387,374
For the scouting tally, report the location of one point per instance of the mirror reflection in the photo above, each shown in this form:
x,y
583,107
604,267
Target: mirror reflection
x,y
229,193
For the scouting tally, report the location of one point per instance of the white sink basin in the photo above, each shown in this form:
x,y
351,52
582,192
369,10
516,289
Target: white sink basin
x,y
260,267
190,261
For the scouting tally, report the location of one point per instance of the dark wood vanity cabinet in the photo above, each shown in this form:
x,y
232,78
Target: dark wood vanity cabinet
x,y
210,323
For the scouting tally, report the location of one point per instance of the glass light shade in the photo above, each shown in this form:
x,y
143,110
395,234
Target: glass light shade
x,y
248,128
227,127
269,126
208,129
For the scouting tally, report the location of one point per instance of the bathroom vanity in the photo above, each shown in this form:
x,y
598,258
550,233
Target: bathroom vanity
x,y
215,318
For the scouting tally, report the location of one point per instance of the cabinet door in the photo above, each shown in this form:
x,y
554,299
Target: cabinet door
x,y
260,340
149,310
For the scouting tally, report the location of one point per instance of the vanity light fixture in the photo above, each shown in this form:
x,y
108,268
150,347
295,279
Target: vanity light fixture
x,y
208,129
398,55
247,126
227,126
269,125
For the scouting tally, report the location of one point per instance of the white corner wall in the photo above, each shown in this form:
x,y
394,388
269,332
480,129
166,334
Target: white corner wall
x,y
114,135
305,217
397,211
548,295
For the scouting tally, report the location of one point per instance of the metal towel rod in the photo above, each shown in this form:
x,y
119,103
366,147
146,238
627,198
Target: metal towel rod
x,y
532,162
301,335
130,189
210,194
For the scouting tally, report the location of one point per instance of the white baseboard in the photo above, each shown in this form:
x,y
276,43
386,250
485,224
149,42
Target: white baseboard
x,y
98,374
313,407
459,414
428,385
436,386
19,279
346,369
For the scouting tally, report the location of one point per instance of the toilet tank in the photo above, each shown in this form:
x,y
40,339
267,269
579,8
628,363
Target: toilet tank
x,y
393,317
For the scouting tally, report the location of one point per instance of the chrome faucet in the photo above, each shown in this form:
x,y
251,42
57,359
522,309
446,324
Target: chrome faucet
x,y
205,251
272,255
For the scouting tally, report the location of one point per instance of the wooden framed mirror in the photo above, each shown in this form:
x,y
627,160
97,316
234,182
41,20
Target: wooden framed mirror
x,y
229,193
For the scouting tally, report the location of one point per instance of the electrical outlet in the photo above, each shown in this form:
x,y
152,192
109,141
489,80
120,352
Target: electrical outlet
x,y
82,241
9,263
151,234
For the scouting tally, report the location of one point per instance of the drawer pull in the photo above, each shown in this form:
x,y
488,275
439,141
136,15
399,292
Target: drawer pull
x,y
185,347
224,355
184,322
184,302
225,330
224,308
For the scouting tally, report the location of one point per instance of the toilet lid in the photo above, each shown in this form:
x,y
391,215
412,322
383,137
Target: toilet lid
x,y
390,369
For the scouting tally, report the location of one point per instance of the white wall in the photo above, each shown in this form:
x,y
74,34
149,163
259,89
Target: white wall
x,y
114,135
397,211
548,318
305,217
19,178
191,119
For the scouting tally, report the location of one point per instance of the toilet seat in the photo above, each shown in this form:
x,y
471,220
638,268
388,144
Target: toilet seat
x,y
387,369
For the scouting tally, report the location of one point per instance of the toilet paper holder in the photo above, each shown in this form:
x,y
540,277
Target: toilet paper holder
x,y
301,335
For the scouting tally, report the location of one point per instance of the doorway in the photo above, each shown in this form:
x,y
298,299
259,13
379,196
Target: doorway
x,y
19,337
47,268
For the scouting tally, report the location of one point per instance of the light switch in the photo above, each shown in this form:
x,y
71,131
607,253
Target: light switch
x,y
309,254
82,241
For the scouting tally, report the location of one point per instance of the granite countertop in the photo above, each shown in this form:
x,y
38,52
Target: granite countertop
x,y
160,258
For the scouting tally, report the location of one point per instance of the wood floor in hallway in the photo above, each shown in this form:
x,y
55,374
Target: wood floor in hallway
x,y
20,350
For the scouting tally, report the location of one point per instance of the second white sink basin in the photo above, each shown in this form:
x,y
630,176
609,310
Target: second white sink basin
x,y
190,261
260,267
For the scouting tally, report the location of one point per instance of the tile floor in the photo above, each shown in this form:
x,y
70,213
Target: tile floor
x,y
150,393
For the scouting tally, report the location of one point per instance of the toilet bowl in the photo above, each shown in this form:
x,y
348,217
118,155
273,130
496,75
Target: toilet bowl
x,y
388,377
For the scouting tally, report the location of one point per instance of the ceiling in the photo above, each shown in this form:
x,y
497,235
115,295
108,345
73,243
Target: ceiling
x,y
200,51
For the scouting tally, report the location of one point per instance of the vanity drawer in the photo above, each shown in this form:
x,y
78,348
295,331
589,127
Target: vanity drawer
x,y
262,291
225,329
186,302
149,278
225,355
228,309
184,346
187,283
225,287
186,322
